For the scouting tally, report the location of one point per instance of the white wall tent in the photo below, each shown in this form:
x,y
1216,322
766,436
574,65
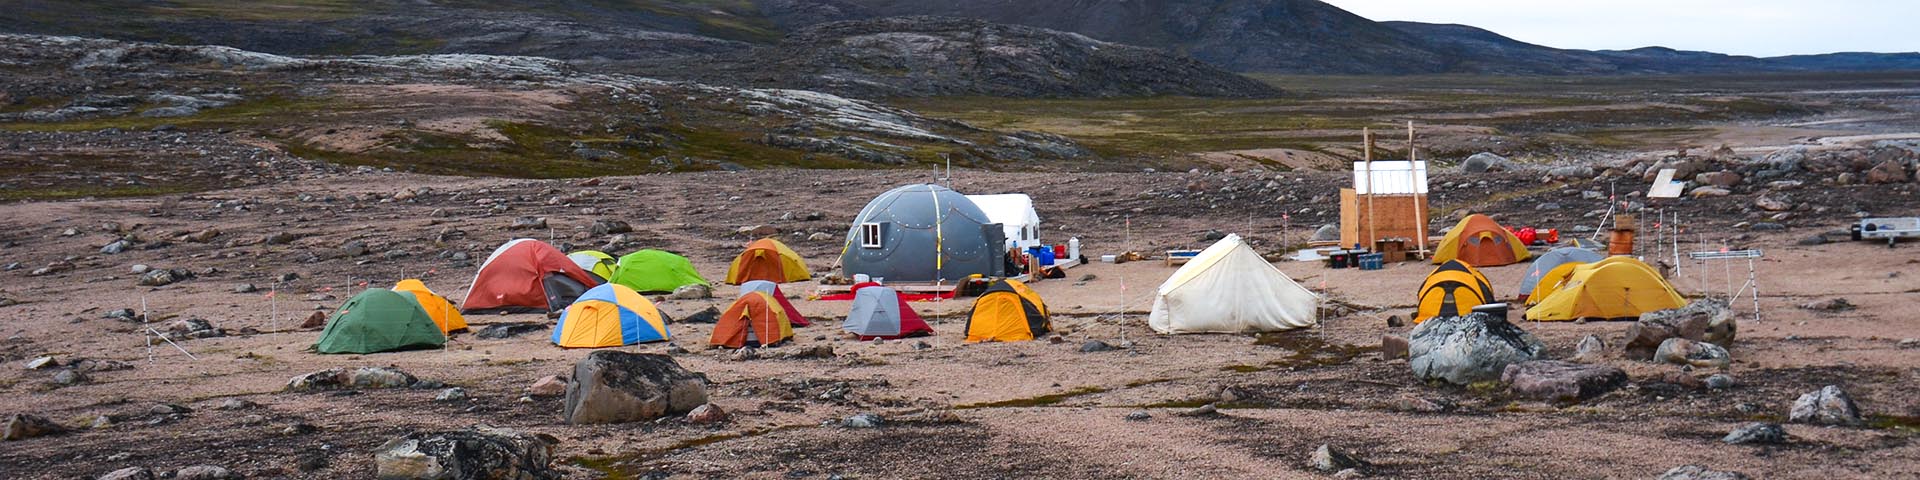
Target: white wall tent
x,y
1014,212
1229,288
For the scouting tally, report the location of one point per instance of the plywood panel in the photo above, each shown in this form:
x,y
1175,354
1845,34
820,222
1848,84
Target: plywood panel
x,y
1394,216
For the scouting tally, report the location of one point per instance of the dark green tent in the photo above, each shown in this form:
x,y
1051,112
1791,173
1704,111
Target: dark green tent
x,y
379,320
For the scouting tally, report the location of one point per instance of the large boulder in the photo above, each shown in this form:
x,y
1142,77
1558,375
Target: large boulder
x,y
1680,351
1706,319
616,387
479,453
1471,348
1485,162
351,379
1560,381
1890,171
1828,406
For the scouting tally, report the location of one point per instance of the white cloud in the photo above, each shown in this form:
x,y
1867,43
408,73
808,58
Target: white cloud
x,y
1749,27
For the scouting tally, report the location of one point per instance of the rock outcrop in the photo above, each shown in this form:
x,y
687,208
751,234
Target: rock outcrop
x,y
475,454
616,387
1471,348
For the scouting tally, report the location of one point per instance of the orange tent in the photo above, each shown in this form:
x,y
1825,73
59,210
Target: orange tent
x,y
527,275
1481,242
767,259
755,319
436,306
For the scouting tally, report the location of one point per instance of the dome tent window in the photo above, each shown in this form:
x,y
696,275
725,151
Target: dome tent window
x,y
870,235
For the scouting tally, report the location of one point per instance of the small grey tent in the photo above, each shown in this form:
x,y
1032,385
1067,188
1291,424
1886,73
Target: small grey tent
x,y
923,233
878,312
1555,258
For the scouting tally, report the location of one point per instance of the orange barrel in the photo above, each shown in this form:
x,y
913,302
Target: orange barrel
x,y
1621,243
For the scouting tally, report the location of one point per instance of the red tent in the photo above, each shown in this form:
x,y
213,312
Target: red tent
x,y
527,275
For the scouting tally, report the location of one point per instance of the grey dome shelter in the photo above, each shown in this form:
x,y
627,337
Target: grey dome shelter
x,y
896,236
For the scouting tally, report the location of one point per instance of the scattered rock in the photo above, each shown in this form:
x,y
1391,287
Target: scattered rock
x,y
1705,319
1829,305
1889,171
707,414
610,227
1696,472
1718,179
746,354
1392,347
205,472
1330,459
1139,416
803,353
692,292
1719,381
157,278
114,248
1560,381
245,288
758,231
509,330
528,223
1828,406
1207,410
1485,162
169,409
1591,349
1757,433
616,387
710,315
548,386
1471,348
1710,192
1571,172
314,320
819,237
479,453
236,404
1813,240
351,379
129,473
453,394
863,420
42,362
1680,351
1771,204
69,377
24,426
1095,346
278,238
194,328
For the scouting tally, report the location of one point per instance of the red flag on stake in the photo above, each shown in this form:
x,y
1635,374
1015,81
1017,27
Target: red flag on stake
x,y
270,293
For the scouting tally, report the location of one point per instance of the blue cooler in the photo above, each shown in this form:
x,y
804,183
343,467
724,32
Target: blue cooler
x,y
1044,254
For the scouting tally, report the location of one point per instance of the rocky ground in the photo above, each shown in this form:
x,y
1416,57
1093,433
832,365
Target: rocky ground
x,y
947,407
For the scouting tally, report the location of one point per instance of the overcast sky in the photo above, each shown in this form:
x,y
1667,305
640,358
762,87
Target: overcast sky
x,y
1743,27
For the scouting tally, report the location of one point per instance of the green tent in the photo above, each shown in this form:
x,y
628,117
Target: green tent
x,y
379,320
655,271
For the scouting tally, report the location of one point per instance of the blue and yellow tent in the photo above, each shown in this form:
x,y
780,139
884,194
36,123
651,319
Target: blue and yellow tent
x,y
610,315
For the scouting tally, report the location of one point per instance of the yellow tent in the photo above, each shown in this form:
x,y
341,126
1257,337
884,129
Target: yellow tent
x,y
1478,240
442,311
1007,312
1551,282
767,259
1618,287
1453,289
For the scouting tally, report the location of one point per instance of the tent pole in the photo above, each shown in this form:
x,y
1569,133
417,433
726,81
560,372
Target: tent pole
x,y
1419,194
1366,137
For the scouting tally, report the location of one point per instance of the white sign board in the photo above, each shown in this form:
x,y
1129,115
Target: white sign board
x,y
1664,186
1390,177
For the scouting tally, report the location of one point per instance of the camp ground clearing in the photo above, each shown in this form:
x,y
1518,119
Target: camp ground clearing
x,y
1112,397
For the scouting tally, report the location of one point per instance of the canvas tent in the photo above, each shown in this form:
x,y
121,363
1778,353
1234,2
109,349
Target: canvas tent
x,y
923,233
379,320
596,262
1618,287
655,271
1547,261
1014,212
755,319
878,312
767,259
1007,312
437,307
610,315
1229,288
1452,290
526,275
1481,242
773,290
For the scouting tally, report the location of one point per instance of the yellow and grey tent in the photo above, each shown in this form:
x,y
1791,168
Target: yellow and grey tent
x,y
1618,287
594,261
1452,290
1551,282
